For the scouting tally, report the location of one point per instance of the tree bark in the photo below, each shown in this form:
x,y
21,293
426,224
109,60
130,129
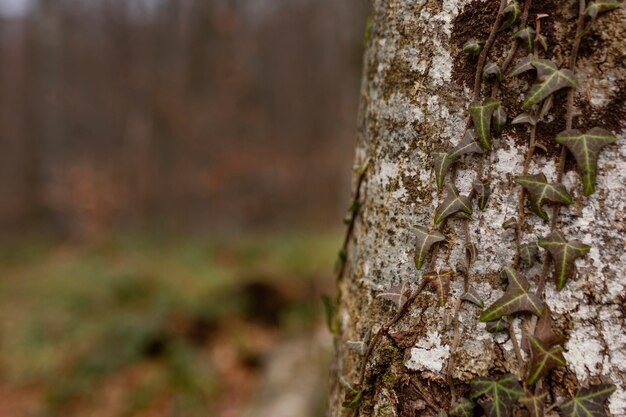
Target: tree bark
x,y
417,85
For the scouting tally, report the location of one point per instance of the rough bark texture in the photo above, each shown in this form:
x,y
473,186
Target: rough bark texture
x,y
416,88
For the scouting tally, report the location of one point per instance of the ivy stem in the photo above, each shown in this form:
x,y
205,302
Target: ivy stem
x,y
485,51
516,348
569,119
522,195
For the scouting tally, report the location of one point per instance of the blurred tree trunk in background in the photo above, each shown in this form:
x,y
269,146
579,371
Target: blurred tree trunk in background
x,y
417,85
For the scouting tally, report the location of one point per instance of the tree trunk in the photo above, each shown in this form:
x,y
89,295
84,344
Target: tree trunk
x,y
417,86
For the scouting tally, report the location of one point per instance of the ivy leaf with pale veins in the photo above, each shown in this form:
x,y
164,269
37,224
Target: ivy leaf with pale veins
x,y
551,79
525,118
512,12
585,147
481,117
544,358
443,160
497,326
535,404
563,254
398,294
516,298
539,190
525,64
588,402
463,408
440,279
526,35
509,223
491,71
472,296
599,7
482,192
501,394
528,253
424,240
499,119
452,204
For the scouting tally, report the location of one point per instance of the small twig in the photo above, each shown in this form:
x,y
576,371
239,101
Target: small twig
x,y
485,51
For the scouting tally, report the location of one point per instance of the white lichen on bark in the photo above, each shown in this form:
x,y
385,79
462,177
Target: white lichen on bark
x,y
411,106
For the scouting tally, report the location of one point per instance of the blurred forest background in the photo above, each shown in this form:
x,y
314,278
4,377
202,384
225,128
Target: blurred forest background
x,y
173,175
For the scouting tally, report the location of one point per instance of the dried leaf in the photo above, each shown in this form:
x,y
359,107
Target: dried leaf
x,y
551,79
526,35
499,119
482,192
472,47
598,7
535,404
481,117
585,147
452,204
497,326
512,12
440,279
563,254
510,222
544,358
397,294
500,394
463,408
516,298
525,64
539,190
528,253
472,296
525,118
544,328
423,241
588,402
491,71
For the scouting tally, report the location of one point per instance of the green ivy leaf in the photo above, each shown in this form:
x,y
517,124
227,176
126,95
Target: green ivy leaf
x,y
472,296
452,203
501,394
499,119
482,192
544,358
516,298
528,253
497,326
463,408
481,117
535,404
472,47
525,118
424,240
525,64
563,253
353,399
539,190
543,41
443,160
440,280
588,402
598,7
491,71
509,223
551,79
526,35
398,294
512,12
330,310
585,147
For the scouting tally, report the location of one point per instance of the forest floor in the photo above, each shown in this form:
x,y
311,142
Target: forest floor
x,y
138,327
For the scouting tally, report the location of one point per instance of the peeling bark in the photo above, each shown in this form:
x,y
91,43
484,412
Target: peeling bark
x,y
416,89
